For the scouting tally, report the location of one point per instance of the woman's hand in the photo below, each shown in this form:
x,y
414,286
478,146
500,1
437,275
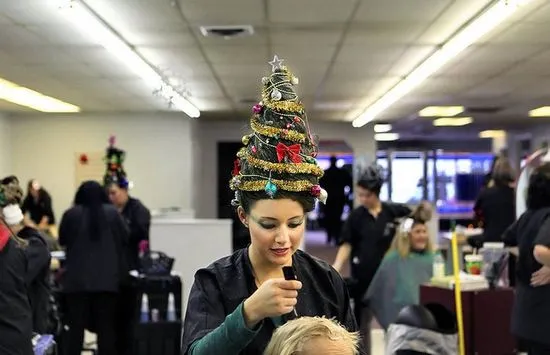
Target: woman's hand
x,y
541,277
273,298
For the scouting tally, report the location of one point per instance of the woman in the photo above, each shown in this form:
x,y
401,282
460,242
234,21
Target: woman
x,y
366,237
15,309
407,265
37,255
93,233
531,312
236,303
38,211
313,336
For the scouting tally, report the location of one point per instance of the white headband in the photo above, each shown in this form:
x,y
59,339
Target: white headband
x,y
13,214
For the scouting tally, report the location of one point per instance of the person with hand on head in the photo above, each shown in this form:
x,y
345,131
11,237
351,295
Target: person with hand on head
x,y
16,320
313,336
366,237
37,207
407,265
36,252
237,302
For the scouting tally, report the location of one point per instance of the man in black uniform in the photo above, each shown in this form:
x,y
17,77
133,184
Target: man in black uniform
x,y
138,219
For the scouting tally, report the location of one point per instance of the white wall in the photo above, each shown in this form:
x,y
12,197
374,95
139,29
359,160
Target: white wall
x,y
158,146
5,146
210,133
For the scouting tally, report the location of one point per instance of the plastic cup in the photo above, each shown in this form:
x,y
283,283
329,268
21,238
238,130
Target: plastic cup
x,y
474,264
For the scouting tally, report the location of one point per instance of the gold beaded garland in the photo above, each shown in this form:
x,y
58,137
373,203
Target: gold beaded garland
x,y
275,132
289,168
259,185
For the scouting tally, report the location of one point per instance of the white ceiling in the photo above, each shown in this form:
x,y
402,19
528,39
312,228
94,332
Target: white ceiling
x,y
346,53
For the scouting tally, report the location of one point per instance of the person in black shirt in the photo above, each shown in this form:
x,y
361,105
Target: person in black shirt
x,y
138,220
37,254
38,206
335,182
16,321
366,237
236,303
94,235
531,311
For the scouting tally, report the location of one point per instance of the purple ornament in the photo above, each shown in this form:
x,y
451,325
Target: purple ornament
x,y
316,190
257,108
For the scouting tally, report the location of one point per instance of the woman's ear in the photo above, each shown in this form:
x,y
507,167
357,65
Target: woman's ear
x,y
242,216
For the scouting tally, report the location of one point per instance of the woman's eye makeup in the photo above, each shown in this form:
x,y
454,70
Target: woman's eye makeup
x,y
271,225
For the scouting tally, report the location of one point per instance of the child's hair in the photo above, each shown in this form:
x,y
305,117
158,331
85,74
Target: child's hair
x,y
291,338
401,242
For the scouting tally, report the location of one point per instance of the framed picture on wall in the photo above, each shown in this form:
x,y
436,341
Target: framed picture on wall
x,y
89,166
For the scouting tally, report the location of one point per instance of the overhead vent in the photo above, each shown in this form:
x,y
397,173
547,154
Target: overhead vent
x,y
227,32
483,110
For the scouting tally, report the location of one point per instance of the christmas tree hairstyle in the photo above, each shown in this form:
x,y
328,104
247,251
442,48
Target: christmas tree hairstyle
x,y
114,160
278,157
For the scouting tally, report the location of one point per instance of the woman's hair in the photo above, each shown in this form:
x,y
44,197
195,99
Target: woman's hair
x,y
92,196
278,157
42,193
502,173
11,194
538,191
290,338
371,179
401,242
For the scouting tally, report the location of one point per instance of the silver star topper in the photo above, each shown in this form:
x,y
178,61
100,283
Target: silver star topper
x,y
276,63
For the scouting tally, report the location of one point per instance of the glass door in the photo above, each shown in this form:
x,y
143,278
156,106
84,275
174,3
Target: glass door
x,y
408,176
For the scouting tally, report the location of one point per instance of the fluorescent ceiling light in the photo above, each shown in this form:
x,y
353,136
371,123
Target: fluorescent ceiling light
x,y
491,133
474,30
543,111
29,98
382,127
452,121
91,24
440,111
386,137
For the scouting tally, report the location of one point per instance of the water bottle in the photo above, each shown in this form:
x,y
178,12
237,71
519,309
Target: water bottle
x,y
438,267
144,314
171,311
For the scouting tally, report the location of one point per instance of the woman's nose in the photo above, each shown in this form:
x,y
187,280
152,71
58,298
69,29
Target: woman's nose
x,y
283,235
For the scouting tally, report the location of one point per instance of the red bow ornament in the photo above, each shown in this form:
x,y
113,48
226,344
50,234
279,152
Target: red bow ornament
x,y
236,167
292,152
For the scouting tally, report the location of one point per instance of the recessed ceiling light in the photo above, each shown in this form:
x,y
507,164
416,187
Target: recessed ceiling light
x,y
492,133
440,111
452,121
29,98
382,127
543,111
386,137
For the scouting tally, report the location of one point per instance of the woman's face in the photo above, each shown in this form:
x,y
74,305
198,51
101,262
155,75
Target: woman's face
x,y
276,229
34,188
419,237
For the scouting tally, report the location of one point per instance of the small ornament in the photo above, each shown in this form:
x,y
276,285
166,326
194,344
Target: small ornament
x,y
269,122
235,201
310,160
314,154
276,95
236,167
257,108
281,118
323,196
316,190
296,119
270,189
285,132
112,140
246,139
265,80
276,63
267,140
254,150
260,144
83,159
289,125
294,80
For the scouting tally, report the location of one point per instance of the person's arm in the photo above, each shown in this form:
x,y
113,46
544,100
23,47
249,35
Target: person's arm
x,y
401,210
206,328
65,229
347,238
141,223
38,257
510,235
541,250
47,219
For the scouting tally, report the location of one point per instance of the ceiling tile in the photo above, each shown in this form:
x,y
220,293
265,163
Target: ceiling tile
x,y
371,54
18,36
236,55
411,58
400,11
383,33
209,12
523,34
300,12
305,36
295,55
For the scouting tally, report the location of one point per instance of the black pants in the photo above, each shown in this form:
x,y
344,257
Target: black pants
x,y
97,308
333,222
127,311
363,316
534,348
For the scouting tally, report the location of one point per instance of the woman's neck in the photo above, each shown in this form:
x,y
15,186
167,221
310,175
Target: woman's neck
x,y
263,270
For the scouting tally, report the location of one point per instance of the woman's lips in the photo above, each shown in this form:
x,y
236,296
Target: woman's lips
x,y
280,251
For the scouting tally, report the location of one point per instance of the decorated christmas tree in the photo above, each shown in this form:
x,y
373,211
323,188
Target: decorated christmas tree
x,y
114,160
279,155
